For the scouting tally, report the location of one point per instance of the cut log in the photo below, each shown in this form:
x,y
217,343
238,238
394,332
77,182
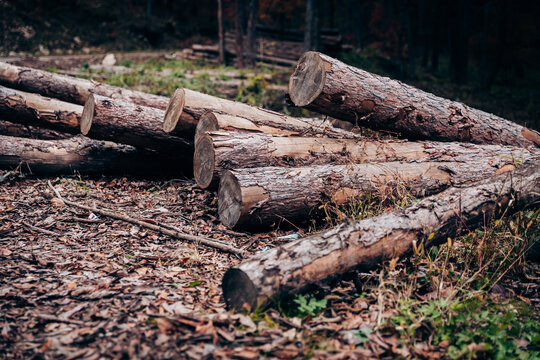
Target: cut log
x,y
187,107
261,197
26,131
71,89
32,109
124,122
330,87
216,152
86,156
290,268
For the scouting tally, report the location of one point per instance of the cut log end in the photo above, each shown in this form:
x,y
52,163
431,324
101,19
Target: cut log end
x,y
87,115
238,290
208,122
307,81
174,110
203,161
229,199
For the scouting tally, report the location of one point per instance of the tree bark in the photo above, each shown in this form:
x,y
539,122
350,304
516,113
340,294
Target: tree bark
x,y
262,197
32,109
216,152
238,21
326,85
221,33
71,89
123,122
26,131
291,268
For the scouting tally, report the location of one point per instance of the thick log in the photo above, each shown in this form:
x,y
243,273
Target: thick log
x,y
261,197
32,109
330,87
124,122
290,268
8,128
80,154
71,89
187,107
216,152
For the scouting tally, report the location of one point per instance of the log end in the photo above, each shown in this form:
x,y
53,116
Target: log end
x,y
204,161
238,290
87,115
307,81
229,199
207,122
174,110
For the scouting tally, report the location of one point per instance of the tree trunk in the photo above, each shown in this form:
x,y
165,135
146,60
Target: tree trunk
x,y
123,122
221,33
291,268
71,89
238,21
32,109
253,9
82,155
217,152
26,131
261,197
326,85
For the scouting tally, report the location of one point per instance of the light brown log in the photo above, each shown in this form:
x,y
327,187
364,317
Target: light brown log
x,y
261,197
8,128
187,107
124,122
33,109
216,152
290,268
71,89
82,155
330,87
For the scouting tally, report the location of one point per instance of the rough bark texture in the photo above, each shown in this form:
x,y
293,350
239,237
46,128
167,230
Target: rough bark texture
x,y
71,89
123,122
26,131
32,109
216,152
80,154
290,268
328,86
262,197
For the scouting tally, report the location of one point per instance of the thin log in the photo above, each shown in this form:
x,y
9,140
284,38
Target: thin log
x,y
328,86
291,268
8,128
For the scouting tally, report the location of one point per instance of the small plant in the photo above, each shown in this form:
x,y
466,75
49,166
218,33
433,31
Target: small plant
x,y
311,307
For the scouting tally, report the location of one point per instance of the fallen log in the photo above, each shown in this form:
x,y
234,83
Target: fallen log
x,y
124,122
261,197
216,152
32,109
328,86
291,268
71,89
187,107
26,131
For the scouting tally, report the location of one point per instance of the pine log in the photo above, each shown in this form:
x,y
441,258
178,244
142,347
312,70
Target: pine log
x,y
186,108
8,128
262,197
71,89
32,109
124,122
291,268
328,86
80,154
216,152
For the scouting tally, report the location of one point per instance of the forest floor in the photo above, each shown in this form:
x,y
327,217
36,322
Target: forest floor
x,y
79,286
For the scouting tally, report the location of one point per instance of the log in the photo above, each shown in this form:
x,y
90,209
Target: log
x,y
262,197
289,269
328,86
216,152
187,107
71,89
32,109
82,155
124,122
26,131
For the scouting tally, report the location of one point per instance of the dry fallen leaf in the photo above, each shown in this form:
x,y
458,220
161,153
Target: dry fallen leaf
x,y
57,202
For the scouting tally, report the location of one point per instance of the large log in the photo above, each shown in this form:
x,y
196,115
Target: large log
x,y
71,89
216,152
124,122
26,131
290,268
80,154
260,197
330,87
32,109
186,108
